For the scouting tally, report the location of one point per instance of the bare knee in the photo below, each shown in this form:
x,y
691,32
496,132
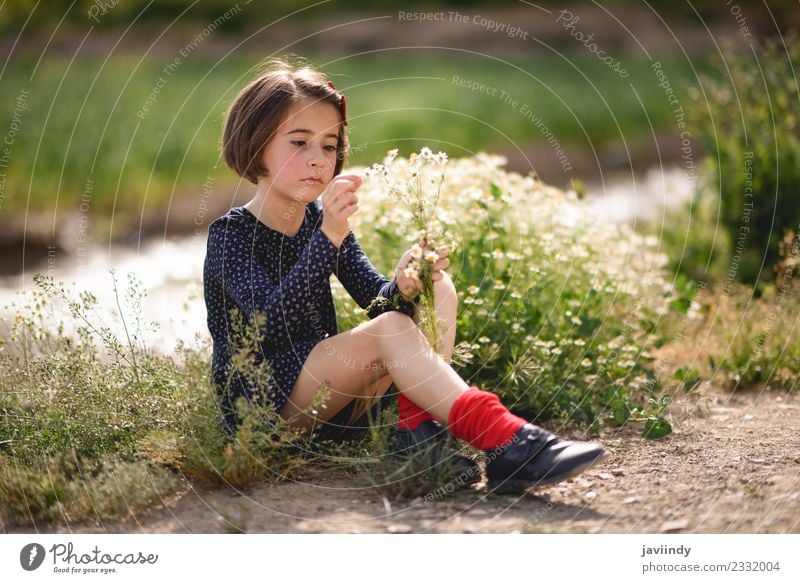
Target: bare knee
x,y
387,328
375,335
393,323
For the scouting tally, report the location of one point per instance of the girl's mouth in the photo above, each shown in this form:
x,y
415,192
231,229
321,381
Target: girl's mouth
x,y
312,180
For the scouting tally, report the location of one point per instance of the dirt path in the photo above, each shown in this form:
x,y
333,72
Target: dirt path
x,y
732,464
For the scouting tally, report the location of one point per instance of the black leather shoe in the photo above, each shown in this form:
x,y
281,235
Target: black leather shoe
x,y
432,439
535,457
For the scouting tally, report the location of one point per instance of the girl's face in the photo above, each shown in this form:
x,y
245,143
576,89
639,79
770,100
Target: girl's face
x,y
301,157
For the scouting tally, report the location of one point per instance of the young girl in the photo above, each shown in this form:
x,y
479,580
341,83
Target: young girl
x,y
285,133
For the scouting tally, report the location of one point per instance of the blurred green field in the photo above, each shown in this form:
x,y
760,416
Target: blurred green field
x,y
85,134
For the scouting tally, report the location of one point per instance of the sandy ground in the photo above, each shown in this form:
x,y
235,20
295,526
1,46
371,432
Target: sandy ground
x,y
731,465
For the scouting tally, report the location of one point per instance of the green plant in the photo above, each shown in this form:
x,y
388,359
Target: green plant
x,y
90,431
748,119
691,236
559,310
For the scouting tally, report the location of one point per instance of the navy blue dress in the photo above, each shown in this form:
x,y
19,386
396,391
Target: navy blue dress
x,y
252,268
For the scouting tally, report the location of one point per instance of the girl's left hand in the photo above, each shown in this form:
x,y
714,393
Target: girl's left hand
x,y
411,286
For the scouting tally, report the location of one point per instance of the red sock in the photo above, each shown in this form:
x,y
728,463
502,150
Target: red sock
x,y
409,415
479,418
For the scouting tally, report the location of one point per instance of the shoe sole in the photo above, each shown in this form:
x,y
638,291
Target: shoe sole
x,y
516,486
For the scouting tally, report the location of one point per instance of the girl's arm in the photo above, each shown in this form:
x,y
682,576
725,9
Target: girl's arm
x,y
364,282
230,258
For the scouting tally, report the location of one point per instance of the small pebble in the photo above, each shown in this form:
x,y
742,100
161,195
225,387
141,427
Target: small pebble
x,y
398,529
674,525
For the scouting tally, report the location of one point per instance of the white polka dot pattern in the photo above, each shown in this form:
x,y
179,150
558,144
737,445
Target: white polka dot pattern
x,y
254,268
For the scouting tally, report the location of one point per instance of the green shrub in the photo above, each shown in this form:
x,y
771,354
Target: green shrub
x,y
558,310
691,237
748,119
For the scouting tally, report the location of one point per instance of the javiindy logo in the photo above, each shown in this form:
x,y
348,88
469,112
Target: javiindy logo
x,y
31,556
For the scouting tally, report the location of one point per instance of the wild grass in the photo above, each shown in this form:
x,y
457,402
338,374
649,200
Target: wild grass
x,y
95,426
737,340
88,143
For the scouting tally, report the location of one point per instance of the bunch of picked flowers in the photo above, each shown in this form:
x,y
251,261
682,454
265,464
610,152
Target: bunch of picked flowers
x,y
416,184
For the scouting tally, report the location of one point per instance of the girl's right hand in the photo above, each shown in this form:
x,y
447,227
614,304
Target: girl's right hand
x,y
339,201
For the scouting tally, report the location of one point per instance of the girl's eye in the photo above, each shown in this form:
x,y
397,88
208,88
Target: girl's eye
x,y
301,143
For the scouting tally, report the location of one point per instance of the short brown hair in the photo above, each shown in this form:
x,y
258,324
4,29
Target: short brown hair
x,y
254,116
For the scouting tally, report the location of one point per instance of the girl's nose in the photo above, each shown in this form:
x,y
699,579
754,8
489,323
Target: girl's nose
x,y
318,161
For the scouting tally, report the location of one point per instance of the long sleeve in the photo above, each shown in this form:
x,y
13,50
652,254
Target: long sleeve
x,y
232,258
365,283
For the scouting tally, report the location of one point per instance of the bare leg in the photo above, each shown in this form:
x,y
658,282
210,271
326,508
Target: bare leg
x,y
446,305
362,362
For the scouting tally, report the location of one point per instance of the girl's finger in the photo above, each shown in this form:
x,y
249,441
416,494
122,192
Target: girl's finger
x,y
333,200
441,264
354,178
348,198
340,187
345,199
343,192
348,180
